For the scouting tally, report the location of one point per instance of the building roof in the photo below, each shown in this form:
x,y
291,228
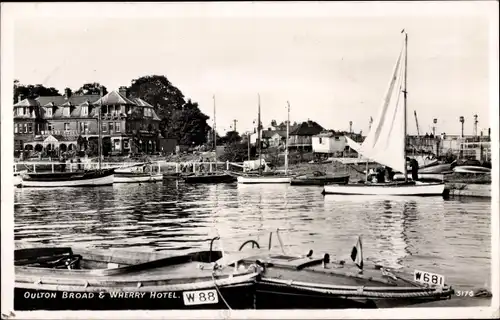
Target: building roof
x,y
307,128
114,98
26,103
60,100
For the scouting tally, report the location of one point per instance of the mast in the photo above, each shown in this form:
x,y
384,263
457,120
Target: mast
x,y
99,127
405,92
258,138
287,135
215,137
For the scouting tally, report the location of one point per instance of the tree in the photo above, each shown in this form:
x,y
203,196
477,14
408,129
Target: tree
x,y
235,152
231,137
32,91
180,120
91,88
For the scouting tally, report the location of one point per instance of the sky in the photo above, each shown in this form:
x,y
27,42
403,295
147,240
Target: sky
x,y
331,63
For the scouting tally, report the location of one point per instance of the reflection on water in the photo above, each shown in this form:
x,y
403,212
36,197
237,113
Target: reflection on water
x,y
429,233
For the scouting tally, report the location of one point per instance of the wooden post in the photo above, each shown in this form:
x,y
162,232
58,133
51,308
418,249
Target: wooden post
x,y
227,165
194,167
34,167
210,164
177,167
159,167
70,167
52,167
15,167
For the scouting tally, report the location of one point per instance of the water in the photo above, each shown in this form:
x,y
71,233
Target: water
x,y
449,237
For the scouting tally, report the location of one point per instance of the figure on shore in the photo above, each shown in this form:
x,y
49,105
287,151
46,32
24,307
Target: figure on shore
x,y
389,174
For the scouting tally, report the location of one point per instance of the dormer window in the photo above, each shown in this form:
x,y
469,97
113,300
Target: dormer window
x,y
49,111
66,111
85,111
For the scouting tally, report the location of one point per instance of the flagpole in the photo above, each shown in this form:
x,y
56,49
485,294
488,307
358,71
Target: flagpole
x,y
259,139
215,136
99,128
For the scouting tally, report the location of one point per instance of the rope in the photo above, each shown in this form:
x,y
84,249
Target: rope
x,y
359,292
220,293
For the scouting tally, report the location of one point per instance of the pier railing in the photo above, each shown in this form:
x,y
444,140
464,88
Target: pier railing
x,y
160,166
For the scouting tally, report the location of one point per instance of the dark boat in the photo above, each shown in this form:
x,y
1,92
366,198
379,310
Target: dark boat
x,y
308,281
99,177
320,179
210,178
60,278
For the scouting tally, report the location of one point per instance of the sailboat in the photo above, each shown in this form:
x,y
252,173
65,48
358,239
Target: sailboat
x,y
211,177
96,177
386,142
265,177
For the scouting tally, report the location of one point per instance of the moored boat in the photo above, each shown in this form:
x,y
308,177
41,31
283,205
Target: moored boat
x,y
389,189
310,281
210,178
137,173
264,179
86,178
63,278
320,179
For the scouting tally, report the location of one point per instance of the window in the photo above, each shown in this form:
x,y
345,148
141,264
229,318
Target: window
x,y
30,127
85,111
66,126
25,126
117,126
85,127
16,127
66,111
49,112
320,140
110,126
337,138
49,127
104,127
127,127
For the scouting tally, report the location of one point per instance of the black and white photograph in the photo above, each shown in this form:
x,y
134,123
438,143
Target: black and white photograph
x,y
250,160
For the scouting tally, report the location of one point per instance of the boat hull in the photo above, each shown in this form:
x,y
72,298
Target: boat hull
x,y
76,179
239,296
136,177
418,189
211,178
472,169
422,176
319,181
263,180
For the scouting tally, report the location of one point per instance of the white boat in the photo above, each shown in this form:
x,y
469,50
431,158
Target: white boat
x,y
472,169
395,189
269,177
421,176
18,180
385,143
263,179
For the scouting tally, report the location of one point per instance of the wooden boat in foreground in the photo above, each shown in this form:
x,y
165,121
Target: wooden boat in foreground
x,y
289,281
60,278
320,179
87,178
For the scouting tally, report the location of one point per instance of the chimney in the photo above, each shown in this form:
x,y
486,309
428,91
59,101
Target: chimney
x,y
67,93
123,91
489,132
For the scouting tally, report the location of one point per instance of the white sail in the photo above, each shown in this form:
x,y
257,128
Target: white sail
x,y
385,143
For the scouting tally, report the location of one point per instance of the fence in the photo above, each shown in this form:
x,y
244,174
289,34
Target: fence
x,y
162,166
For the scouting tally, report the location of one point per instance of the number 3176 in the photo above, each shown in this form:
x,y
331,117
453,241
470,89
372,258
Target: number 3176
x,y
464,293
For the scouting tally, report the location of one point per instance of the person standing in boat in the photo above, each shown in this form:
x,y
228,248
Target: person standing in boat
x,y
414,168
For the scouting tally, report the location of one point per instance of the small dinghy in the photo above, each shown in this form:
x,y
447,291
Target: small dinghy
x,y
318,178
60,278
309,281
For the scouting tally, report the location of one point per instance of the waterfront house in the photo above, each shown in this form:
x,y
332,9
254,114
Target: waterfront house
x,y
329,143
68,122
301,136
